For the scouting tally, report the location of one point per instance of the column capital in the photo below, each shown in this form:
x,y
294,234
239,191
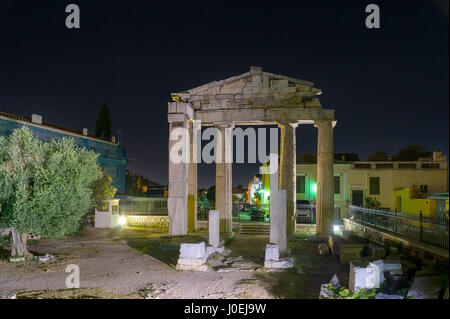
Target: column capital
x,y
293,124
322,123
224,124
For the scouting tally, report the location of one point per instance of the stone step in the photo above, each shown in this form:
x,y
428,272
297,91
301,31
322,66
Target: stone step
x,y
254,229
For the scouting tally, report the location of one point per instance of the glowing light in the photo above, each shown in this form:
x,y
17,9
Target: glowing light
x,y
122,220
314,188
336,228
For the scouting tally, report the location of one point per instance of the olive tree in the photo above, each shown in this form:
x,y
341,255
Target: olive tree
x,y
44,187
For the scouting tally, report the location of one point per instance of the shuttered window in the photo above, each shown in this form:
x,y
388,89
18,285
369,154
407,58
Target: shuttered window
x,y
337,184
300,184
374,185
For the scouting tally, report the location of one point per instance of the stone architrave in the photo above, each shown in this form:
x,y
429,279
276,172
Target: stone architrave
x,y
252,98
214,228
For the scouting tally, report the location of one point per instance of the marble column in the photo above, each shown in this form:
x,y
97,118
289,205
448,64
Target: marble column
x,y
288,171
178,189
325,179
224,179
277,213
192,180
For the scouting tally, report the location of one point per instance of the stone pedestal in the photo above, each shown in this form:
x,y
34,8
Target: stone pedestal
x,y
325,179
192,257
214,228
288,171
224,180
273,261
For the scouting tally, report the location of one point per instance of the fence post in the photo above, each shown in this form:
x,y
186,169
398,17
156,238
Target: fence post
x,y
395,221
420,226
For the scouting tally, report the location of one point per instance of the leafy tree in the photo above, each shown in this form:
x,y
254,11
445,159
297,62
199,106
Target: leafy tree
x,y
372,203
308,158
44,187
103,123
204,205
378,156
102,190
411,153
211,194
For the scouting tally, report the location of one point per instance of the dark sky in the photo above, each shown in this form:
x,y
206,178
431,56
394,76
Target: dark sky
x,y
387,86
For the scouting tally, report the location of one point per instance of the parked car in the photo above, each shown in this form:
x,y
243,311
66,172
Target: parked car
x,y
303,211
257,214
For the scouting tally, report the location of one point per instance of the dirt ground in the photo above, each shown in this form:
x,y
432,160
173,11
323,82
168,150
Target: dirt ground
x,y
140,263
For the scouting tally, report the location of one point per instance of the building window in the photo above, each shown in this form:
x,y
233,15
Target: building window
x,y
374,185
301,184
337,184
424,189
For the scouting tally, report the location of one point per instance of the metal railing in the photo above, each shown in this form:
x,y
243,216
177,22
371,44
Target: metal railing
x,y
141,206
431,230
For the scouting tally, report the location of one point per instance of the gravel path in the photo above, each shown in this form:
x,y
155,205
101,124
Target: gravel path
x,y
110,263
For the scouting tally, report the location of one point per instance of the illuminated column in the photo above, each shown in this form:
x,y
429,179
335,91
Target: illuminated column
x,y
288,171
325,185
224,179
192,177
178,189
180,114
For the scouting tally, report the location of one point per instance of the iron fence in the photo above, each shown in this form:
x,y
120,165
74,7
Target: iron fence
x,y
142,206
432,230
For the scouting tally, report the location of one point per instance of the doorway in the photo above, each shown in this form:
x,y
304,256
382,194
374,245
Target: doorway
x,y
358,198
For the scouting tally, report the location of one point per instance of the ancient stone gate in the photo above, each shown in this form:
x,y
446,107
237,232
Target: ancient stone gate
x,y
252,98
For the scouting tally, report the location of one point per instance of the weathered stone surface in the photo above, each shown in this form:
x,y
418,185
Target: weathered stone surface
x,y
214,228
323,249
335,281
325,293
185,267
282,263
325,178
395,265
366,277
348,252
393,250
386,296
425,288
272,252
278,202
191,261
378,252
192,250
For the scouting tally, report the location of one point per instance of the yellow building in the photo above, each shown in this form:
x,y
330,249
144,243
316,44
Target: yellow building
x,y
354,181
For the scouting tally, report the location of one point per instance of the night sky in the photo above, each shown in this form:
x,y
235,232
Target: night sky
x,y
388,86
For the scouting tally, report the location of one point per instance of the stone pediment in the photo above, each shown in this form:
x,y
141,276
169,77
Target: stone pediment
x,y
254,89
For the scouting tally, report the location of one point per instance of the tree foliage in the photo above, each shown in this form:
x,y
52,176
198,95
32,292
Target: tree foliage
x,y
411,153
102,190
44,187
103,123
378,156
372,203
